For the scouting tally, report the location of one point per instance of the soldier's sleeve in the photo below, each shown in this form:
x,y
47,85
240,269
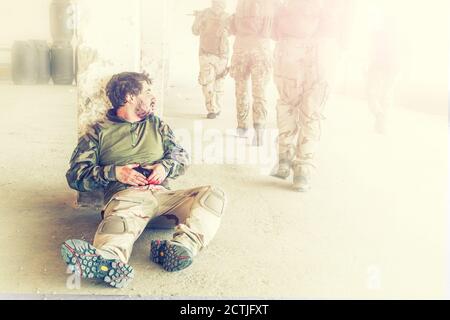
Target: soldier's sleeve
x,y
175,159
227,24
196,27
275,33
232,25
84,173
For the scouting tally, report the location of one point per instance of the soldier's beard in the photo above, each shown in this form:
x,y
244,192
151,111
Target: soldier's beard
x,y
142,110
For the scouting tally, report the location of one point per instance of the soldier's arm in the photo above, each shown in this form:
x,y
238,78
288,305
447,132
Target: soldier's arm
x,y
267,21
196,27
227,24
84,173
232,25
275,33
175,159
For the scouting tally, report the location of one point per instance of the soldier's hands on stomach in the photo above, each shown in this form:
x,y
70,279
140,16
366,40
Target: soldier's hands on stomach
x,y
158,175
126,174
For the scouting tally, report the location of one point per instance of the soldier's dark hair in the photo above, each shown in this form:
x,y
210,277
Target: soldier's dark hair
x,y
123,84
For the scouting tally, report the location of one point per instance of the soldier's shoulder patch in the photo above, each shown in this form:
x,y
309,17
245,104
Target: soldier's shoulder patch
x,y
165,129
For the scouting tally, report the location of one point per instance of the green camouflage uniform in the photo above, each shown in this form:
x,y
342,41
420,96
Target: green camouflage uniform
x,y
115,142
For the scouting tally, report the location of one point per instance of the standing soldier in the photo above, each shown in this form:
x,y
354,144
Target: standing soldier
x,y
252,57
307,33
212,26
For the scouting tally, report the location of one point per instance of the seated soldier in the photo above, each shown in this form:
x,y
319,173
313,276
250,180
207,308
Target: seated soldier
x,y
131,154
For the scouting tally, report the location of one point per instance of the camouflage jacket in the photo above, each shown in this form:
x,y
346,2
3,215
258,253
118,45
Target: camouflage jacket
x,y
116,142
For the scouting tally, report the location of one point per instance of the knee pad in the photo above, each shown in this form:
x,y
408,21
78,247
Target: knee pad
x,y
213,200
114,225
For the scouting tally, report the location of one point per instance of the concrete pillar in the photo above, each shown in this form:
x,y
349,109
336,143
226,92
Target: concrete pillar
x,y
155,46
112,37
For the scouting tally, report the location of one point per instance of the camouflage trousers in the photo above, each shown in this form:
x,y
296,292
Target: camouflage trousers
x,y
213,70
194,213
303,72
255,65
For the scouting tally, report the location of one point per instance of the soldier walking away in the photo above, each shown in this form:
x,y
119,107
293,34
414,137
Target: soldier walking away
x,y
212,25
307,35
252,60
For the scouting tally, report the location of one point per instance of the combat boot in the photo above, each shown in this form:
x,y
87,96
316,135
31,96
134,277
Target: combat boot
x,y
242,132
258,138
302,177
283,170
171,255
85,260
211,115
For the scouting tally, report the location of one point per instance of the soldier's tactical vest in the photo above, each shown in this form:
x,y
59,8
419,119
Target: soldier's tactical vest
x,y
299,21
254,18
213,34
296,28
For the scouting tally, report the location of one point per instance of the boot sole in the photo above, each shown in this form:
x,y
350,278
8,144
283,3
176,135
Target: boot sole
x,y
282,177
301,189
82,258
170,256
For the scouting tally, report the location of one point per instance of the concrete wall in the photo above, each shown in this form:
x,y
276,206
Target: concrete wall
x,y
23,20
155,45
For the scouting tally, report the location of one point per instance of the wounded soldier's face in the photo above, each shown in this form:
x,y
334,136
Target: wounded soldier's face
x,y
145,102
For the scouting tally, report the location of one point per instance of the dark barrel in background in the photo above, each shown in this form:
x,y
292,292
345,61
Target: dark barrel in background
x,y
62,63
24,63
43,60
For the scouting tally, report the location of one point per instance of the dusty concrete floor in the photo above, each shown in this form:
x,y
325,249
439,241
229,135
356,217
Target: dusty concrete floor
x,y
373,226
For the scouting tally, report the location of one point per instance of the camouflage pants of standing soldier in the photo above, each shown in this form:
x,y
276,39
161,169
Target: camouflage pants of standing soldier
x,y
303,71
194,213
256,64
213,70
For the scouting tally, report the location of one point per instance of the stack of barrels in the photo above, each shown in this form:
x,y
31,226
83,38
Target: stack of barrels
x,y
30,62
34,62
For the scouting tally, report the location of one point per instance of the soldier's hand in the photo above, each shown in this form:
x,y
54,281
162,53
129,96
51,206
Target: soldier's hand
x,y
158,175
126,174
